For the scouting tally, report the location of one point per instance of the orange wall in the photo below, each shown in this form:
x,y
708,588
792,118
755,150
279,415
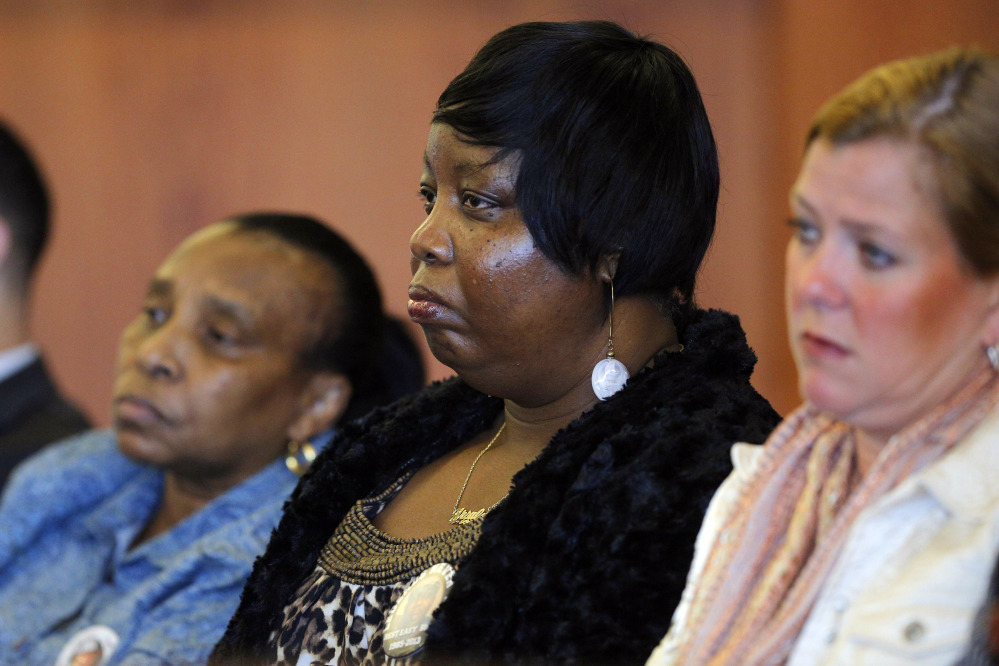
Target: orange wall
x,y
155,118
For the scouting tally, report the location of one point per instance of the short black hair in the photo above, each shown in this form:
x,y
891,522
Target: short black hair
x,y
357,339
24,204
616,150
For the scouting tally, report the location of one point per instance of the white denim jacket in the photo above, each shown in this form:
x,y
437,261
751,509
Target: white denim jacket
x,y
913,572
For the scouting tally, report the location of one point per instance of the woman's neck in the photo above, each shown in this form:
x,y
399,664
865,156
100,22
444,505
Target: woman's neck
x,y
872,437
868,448
180,499
641,330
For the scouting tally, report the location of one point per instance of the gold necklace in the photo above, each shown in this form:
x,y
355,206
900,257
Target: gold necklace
x,y
464,516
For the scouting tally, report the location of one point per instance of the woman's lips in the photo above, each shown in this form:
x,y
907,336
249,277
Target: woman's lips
x,y
132,410
424,312
815,346
424,306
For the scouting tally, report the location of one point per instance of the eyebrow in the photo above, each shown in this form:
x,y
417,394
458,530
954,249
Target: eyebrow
x,y
239,313
463,168
852,225
159,287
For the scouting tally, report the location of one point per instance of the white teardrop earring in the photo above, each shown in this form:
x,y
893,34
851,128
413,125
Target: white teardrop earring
x,y
992,352
609,374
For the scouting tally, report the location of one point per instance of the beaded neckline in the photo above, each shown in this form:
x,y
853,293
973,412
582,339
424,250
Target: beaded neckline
x,y
360,553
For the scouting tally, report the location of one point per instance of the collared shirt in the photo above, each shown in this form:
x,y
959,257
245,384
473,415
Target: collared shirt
x,y
912,574
17,358
67,519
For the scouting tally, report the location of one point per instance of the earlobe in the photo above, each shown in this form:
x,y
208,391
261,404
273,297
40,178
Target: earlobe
x,y
324,402
990,337
994,295
607,266
5,242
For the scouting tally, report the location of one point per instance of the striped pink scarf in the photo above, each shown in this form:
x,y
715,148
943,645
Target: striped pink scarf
x,y
784,534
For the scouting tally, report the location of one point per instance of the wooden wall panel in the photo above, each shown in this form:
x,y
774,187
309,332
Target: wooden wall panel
x,y
153,118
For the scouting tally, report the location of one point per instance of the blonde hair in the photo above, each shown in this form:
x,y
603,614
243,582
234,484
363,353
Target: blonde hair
x,y
948,104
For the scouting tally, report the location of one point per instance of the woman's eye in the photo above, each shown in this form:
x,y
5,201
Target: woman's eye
x,y
475,201
155,315
804,231
429,198
875,257
218,336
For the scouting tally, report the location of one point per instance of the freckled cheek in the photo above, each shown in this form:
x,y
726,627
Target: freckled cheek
x,y
499,273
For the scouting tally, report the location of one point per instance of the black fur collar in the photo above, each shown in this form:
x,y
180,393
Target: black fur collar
x,y
586,559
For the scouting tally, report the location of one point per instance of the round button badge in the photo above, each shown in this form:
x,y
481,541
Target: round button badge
x,y
409,619
92,646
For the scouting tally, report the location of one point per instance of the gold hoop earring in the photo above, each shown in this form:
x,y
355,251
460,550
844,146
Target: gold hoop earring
x,y
609,374
300,457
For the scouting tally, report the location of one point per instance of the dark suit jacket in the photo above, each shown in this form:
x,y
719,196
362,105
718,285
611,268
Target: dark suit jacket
x,y
32,414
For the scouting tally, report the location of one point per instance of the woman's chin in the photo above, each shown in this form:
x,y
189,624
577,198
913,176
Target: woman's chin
x,y
446,347
827,396
139,447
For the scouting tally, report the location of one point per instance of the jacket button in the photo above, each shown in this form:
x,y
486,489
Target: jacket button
x,y
914,631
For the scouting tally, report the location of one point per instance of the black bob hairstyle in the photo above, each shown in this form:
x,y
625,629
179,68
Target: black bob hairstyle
x,y
372,350
24,204
616,150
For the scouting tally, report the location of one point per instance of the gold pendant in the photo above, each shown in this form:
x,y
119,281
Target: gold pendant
x,y
464,516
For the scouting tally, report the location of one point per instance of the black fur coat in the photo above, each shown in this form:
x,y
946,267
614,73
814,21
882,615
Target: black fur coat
x,y
586,559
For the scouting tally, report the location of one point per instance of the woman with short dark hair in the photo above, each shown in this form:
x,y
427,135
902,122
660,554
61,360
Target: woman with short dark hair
x,y
549,495
615,152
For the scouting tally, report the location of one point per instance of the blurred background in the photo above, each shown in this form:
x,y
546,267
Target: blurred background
x,y
153,118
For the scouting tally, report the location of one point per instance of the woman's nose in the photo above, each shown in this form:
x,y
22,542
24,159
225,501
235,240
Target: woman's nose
x,y
431,243
159,354
817,278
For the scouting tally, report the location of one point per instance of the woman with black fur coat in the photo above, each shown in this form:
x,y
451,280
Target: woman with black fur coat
x,y
541,507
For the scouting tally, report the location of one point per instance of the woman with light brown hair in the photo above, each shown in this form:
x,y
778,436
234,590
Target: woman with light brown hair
x,y
865,529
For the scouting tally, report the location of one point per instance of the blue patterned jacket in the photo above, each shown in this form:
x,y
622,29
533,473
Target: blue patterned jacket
x,y
67,518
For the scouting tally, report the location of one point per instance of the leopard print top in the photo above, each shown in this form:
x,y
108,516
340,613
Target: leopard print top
x,y
339,612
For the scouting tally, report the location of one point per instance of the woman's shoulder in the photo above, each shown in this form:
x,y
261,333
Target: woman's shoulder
x,y
370,452
660,448
716,339
963,480
362,455
703,390
86,465
65,481
631,478
418,424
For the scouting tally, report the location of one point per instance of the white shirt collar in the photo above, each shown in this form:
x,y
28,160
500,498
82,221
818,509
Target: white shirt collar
x,y
963,480
16,359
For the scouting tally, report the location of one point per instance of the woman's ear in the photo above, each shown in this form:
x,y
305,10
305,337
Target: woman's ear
x,y
324,401
990,332
5,242
607,266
